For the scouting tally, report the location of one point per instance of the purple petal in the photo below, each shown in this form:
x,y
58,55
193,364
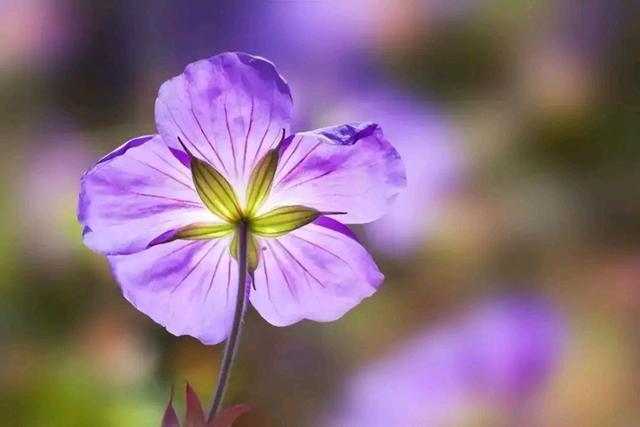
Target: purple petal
x,y
315,272
349,168
228,110
430,146
188,286
515,341
325,221
135,194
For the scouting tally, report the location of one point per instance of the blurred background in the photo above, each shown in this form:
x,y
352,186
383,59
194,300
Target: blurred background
x,y
512,261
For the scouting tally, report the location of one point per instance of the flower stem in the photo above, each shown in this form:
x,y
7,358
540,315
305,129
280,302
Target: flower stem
x,y
231,347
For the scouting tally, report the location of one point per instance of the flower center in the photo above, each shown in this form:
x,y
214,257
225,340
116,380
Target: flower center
x,y
219,196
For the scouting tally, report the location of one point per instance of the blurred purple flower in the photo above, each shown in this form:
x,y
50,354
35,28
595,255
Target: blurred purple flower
x,y
430,148
317,28
167,215
48,188
35,33
343,39
330,32
498,355
328,46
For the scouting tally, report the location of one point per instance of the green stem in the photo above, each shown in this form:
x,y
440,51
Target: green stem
x,y
231,347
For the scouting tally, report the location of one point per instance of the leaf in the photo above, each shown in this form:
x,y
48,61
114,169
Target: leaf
x,y
195,415
170,419
229,415
283,220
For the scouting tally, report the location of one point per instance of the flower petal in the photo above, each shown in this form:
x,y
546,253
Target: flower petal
x,y
228,110
430,145
134,195
188,286
350,168
316,272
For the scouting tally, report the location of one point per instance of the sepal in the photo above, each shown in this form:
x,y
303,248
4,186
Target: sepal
x,y
214,190
203,231
283,220
253,251
261,181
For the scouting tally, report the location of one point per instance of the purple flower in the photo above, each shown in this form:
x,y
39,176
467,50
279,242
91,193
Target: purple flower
x,y
497,357
48,188
165,208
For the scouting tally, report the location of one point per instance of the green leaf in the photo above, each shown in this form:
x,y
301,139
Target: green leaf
x,y
215,191
170,418
194,416
260,181
283,220
253,251
204,231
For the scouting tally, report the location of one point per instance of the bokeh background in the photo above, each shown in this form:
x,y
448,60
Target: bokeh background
x,y
512,261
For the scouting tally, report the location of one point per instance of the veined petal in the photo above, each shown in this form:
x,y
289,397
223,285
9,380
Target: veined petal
x,y
135,194
316,272
188,286
229,110
283,220
429,143
215,191
350,168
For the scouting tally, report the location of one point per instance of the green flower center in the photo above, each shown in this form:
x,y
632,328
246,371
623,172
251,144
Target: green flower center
x,y
220,198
